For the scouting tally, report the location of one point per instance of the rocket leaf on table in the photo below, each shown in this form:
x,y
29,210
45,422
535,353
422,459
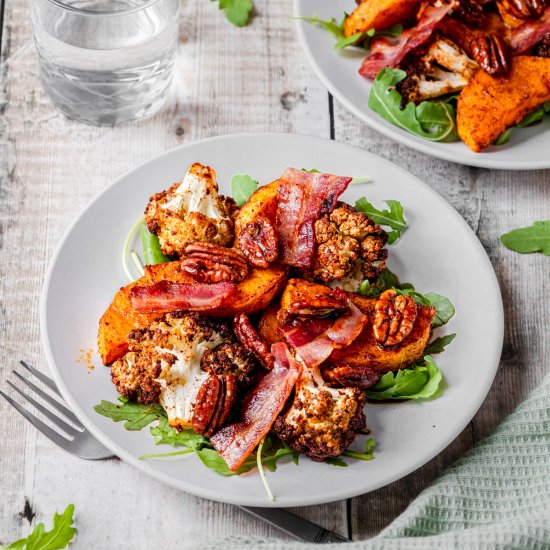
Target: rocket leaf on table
x,y
525,240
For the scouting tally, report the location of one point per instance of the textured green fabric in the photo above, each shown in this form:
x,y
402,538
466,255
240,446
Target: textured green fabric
x,y
497,496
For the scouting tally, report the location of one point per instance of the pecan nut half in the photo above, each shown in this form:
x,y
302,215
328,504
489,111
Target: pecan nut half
x,y
470,11
211,263
490,52
250,339
259,242
522,9
394,317
213,404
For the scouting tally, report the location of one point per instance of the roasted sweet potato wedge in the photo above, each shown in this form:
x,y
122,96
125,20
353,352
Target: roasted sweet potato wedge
x,y
262,203
489,105
363,351
380,14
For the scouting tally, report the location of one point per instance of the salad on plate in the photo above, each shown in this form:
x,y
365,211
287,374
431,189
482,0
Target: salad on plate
x,y
261,326
452,69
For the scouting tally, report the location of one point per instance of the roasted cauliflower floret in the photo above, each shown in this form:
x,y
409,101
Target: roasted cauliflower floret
x,y
443,69
322,421
190,211
344,238
166,363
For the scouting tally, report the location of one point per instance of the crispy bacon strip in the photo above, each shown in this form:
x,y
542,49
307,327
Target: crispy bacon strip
x,y
236,442
527,35
315,339
302,198
166,296
385,52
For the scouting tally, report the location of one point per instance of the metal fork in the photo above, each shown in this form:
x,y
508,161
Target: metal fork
x,y
80,442
75,439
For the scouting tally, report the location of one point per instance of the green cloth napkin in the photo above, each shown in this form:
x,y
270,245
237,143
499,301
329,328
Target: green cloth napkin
x,y
496,496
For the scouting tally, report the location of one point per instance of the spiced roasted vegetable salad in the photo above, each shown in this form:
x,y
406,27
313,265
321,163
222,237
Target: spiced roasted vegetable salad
x,y
261,327
449,69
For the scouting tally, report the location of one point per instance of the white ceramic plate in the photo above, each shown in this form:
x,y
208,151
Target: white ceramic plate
x,y
527,150
437,253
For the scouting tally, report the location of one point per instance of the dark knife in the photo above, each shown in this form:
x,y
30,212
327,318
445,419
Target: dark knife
x,y
294,525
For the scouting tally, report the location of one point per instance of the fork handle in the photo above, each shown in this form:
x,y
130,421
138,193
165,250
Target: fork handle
x,y
293,525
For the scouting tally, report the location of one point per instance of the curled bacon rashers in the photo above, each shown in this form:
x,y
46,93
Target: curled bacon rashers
x,y
302,198
314,339
165,296
236,442
389,53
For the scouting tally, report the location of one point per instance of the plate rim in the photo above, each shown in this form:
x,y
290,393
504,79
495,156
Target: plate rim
x,y
396,134
288,501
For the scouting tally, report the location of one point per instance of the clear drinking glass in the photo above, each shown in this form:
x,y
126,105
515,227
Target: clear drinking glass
x,y
106,61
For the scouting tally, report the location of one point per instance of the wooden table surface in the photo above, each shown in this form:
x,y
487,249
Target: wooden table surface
x,y
227,80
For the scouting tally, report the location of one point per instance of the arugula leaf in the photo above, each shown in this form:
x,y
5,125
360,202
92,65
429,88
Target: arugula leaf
x,y
212,459
368,454
386,280
361,39
525,240
421,381
152,253
392,218
332,25
242,186
135,415
237,11
439,344
444,309
431,120
164,433
60,536
336,461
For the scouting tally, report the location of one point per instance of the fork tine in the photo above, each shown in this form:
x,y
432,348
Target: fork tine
x,y
57,438
60,423
42,377
53,402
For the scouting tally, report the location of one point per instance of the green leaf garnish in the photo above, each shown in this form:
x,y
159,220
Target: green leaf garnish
x,y
439,344
336,461
444,309
525,240
58,537
421,381
237,11
368,454
431,120
165,434
152,253
242,187
135,415
361,39
392,217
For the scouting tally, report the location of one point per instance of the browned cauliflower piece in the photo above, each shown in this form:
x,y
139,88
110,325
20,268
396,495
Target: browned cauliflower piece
x,y
322,421
346,238
190,211
170,360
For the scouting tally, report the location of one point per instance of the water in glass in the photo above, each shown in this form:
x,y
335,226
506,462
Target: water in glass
x,y
106,61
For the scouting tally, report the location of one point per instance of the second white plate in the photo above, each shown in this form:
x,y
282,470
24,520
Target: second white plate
x,y
339,71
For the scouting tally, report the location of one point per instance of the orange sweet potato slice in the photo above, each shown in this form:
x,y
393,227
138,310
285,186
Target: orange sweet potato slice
x,y
380,14
489,105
